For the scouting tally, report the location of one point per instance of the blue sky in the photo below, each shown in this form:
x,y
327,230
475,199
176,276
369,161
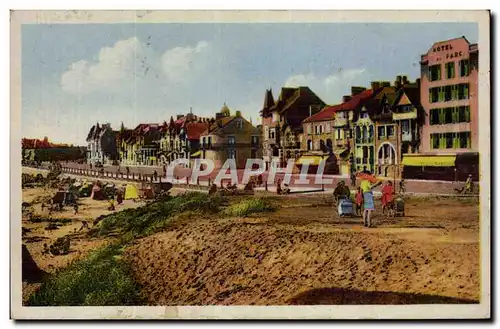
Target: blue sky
x,y
74,75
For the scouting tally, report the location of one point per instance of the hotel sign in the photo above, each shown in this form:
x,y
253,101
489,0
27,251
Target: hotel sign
x,y
448,55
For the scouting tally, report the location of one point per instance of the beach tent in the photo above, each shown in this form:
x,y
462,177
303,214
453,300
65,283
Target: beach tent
x,y
147,193
110,190
131,192
85,190
64,197
97,193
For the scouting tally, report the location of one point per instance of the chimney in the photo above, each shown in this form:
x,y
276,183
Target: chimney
x,y
346,98
357,90
375,85
405,80
385,84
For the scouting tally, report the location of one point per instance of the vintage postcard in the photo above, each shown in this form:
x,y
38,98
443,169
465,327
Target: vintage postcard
x,y
250,165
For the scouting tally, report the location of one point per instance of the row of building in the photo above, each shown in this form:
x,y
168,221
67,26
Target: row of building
x,y
227,135
40,150
426,128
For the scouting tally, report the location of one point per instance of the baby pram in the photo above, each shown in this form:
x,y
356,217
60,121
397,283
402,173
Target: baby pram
x,y
397,207
345,207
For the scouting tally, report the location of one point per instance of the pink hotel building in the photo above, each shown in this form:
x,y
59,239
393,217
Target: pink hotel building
x,y
448,94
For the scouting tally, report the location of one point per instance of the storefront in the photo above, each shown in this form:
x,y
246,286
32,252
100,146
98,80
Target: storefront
x,y
431,167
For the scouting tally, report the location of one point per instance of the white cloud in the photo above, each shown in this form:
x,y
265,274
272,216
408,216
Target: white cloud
x,y
180,61
330,88
123,67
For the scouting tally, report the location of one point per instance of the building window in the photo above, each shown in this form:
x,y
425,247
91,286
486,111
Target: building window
x,y
449,140
371,132
231,154
231,140
447,93
405,127
203,142
358,132
273,135
435,72
464,67
365,136
239,124
447,115
450,70
464,139
463,91
381,132
434,95
463,114
309,145
253,154
435,141
255,141
390,131
209,142
318,129
338,134
329,145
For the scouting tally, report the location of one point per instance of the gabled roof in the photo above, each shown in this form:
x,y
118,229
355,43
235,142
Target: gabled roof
x,y
288,97
412,92
219,124
268,99
328,113
195,129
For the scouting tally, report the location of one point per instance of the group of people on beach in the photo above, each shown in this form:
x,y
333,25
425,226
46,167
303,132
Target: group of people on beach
x,y
364,202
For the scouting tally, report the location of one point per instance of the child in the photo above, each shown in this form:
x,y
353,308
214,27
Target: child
x,y
75,207
387,194
359,201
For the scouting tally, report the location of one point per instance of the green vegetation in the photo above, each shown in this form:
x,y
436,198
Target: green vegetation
x,y
156,216
100,280
249,206
103,278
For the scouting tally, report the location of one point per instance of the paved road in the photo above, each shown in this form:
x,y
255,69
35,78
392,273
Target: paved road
x,y
417,187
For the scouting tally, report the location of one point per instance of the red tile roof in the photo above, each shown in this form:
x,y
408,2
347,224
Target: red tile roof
x,y
195,129
328,113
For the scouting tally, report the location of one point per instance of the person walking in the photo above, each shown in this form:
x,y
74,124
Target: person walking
x,y
402,188
468,185
368,204
353,179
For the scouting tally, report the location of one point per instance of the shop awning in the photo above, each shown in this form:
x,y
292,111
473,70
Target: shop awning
x,y
312,160
429,161
196,154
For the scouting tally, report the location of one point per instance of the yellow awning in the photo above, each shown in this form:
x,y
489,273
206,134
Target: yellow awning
x,y
312,160
196,154
429,161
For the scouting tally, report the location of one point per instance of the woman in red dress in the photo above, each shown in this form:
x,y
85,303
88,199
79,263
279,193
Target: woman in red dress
x,y
387,193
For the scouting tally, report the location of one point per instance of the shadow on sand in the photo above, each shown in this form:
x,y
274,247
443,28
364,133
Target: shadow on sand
x,y
340,296
30,270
